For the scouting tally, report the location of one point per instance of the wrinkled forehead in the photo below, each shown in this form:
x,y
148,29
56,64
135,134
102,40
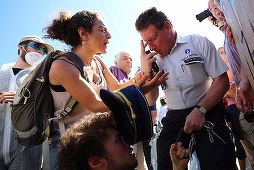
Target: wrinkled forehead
x,y
148,32
125,55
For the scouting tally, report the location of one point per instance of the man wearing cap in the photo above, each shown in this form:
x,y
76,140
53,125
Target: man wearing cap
x,y
31,51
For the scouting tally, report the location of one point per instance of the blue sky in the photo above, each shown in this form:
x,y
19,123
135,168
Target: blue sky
x,y
29,17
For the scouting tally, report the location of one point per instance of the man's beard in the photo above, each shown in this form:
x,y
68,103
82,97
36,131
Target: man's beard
x,y
112,165
22,55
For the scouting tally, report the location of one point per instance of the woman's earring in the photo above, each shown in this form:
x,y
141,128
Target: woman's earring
x,y
83,42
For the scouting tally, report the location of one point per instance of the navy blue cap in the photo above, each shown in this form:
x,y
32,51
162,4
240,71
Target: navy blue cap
x,y
131,113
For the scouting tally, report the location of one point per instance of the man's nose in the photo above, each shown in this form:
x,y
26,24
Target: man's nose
x,y
151,47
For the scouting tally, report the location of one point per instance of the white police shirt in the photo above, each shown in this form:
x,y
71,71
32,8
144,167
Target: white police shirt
x,y
191,64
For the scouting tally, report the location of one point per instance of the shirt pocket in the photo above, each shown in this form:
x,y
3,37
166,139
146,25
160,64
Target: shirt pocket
x,y
193,73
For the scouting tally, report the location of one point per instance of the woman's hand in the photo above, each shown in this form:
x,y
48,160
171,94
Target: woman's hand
x,y
147,83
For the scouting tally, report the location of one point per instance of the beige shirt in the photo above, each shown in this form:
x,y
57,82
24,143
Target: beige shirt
x,y
62,98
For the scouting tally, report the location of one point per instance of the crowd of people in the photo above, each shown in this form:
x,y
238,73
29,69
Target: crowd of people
x,y
207,105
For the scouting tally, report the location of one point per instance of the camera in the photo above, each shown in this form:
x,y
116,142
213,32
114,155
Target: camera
x,y
249,116
203,15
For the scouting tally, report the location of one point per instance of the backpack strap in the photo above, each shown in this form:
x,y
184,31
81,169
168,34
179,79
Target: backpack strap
x,y
72,103
78,63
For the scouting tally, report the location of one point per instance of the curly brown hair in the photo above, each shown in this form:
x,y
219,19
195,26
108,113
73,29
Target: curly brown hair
x,y
65,27
84,139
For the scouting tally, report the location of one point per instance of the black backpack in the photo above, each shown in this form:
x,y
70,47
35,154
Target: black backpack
x,y
33,105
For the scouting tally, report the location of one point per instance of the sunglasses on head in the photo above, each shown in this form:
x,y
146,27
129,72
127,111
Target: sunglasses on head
x,y
37,46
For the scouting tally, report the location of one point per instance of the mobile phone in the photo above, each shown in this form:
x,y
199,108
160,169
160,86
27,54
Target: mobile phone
x,y
156,69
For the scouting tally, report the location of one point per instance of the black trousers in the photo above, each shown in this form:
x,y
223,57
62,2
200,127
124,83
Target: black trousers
x,y
211,154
